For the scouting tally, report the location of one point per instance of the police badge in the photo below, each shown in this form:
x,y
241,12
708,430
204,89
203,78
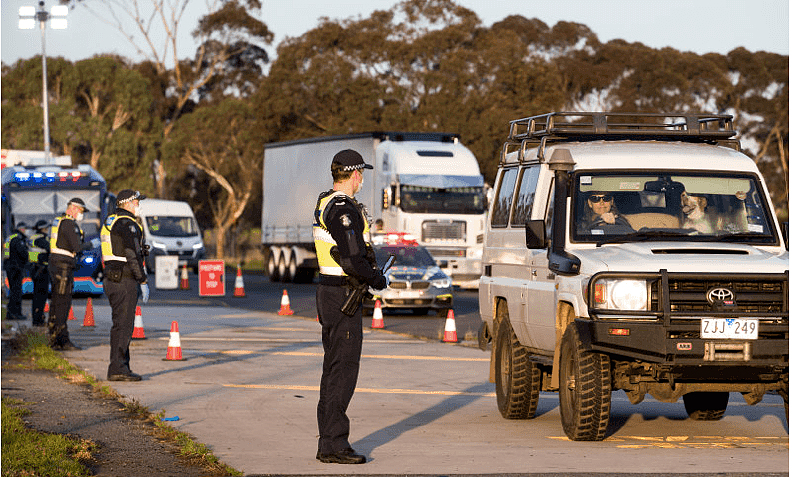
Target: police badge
x,y
345,220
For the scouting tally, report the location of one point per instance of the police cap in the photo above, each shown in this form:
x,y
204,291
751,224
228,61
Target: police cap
x,y
41,224
351,160
21,225
79,202
128,195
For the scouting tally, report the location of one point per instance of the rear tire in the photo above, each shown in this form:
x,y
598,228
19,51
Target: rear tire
x,y
517,378
585,389
272,268
702,406
282,268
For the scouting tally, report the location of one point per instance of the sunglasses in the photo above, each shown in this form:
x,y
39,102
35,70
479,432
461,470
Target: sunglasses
x,y
597,198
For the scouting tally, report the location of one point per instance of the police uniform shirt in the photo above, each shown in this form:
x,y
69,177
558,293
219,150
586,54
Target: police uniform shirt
x,y
346,225
41,242
69,235
17,249
126,238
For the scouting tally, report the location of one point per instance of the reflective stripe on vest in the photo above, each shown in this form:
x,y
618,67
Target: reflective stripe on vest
x,y
323,239
7,246
53,240
33,251
106,239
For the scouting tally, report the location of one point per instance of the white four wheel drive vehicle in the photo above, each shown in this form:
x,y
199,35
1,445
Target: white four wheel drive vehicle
x,y
634,252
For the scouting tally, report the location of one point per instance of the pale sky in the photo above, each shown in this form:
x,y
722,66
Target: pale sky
x,y
701,26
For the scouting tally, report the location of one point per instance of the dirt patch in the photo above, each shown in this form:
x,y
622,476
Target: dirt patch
x,y
130,445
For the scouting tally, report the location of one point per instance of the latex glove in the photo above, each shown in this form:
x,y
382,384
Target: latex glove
x,y
145,292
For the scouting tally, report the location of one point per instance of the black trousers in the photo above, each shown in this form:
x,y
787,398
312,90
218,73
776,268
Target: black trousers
x,y
40,276
15,276
342,339
61,273
123,300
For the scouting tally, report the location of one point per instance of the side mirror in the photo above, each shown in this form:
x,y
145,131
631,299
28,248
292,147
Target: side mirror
x,y
535,234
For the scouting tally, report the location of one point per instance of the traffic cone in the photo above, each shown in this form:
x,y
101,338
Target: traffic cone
x,y
88,320
71,313
378,317
184,278
139,332
239,289
46,307
450,335
174,345
285,305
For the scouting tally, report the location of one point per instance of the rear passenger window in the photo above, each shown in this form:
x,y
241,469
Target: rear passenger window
x,y
504,198
526,195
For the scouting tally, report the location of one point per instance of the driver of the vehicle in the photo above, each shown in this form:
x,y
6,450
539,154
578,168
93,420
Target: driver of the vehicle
x,y
601,211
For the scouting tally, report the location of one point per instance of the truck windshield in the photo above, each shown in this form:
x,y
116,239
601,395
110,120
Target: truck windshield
x,y
167,226
452,200
623,207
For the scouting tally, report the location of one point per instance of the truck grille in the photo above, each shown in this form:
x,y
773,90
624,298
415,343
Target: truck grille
x,y
689,295
433,231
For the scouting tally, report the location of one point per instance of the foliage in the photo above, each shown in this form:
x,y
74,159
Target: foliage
x,y
29,452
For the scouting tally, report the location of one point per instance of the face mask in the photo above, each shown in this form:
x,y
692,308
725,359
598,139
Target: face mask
x,y
80,216
136,211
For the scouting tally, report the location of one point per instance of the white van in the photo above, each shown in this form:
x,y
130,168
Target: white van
x,y
170,228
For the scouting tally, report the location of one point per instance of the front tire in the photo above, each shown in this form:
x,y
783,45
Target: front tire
x,y
272,268
702,406
585,389
517,378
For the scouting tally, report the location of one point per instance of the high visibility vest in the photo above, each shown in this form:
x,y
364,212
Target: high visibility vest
x,y
106,239
33,251
323,239
7,245
53,239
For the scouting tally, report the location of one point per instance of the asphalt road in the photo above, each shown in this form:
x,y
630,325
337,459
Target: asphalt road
x,y
266,296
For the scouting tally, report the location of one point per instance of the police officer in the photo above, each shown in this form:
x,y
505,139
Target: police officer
x,y
15,258
341,224
64,245
38,254
124,272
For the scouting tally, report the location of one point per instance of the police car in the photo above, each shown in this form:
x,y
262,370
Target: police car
x,y
416,281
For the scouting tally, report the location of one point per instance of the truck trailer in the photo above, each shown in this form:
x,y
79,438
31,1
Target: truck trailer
x,y
426,184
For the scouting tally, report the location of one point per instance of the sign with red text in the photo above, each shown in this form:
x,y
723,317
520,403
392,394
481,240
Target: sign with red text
x,y
211,277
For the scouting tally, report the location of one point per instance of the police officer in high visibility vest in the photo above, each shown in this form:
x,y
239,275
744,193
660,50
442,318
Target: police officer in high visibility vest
x,y
341,224
15,258
124,272
65,243
38,254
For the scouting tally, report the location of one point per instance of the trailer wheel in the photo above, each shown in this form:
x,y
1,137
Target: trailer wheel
x,y
585,389
292,270
272,268
702,406
282,268
517,378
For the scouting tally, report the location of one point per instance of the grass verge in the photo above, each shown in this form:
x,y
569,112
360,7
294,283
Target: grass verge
x,y
34,347
28,452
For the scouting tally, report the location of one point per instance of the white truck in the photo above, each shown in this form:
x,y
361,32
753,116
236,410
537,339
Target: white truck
x,y
427,184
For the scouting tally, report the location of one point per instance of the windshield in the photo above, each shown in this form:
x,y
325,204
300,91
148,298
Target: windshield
x,y
166,226
616,206
31,205
415,257
452,200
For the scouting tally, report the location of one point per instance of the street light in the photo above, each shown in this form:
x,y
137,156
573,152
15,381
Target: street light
x,y
28,16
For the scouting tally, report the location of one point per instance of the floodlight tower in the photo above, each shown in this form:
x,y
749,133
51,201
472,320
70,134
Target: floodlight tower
x,y
28,15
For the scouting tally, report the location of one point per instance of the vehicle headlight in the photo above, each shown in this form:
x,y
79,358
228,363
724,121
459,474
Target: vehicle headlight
x,y
475,253
441,283
620,294
197,246
159,245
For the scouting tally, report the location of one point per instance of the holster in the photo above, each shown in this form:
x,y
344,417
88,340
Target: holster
x,y
61,280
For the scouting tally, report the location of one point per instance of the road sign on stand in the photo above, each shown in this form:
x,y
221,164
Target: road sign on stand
x,y
211,277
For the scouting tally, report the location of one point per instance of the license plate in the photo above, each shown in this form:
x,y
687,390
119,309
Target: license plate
x,y
410,294
729,328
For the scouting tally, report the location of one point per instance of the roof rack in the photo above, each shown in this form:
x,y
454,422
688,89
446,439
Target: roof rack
x,y
539,131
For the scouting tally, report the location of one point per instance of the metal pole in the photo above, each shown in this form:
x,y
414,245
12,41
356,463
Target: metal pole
x,y
42,17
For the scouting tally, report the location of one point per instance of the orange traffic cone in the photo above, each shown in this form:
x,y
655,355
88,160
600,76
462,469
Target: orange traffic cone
x,y
88,320
239,289
450,335
285,305
46,307
378,317
174,345
184,278
71,313
139,332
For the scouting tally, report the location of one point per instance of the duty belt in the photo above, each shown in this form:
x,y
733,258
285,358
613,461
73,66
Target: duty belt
x,y
332,280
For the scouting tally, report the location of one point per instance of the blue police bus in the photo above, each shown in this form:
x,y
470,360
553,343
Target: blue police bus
x,y
32,193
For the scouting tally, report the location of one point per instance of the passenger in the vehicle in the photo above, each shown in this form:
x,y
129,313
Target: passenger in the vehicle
x,y
600,214
697,215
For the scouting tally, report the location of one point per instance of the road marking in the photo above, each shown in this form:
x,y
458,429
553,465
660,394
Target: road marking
x,y
293,387
386,356
287,340
691,442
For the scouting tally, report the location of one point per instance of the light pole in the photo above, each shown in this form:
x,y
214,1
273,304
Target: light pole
x,y
28,16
